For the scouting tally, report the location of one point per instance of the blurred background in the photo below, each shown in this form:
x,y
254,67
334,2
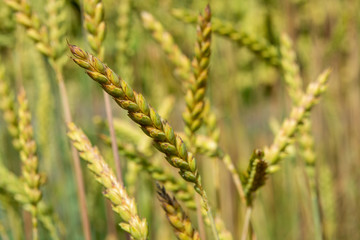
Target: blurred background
x,y
247,95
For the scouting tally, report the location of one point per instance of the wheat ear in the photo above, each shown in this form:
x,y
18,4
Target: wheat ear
x,y
176,216
255,176
195,92
291,125
252,180
14,186
114,191
31,22
165,140
57,14
30,163
8,108
167,43
259,47
195,104
284,137
294,82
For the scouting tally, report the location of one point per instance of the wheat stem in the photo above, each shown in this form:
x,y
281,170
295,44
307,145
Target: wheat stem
x,y
76,159
246,225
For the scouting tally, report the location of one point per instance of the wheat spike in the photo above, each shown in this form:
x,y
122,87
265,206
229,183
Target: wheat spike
x,y
95,25
165,139
255,176
34,29
195,103
30,171
15,186
176,216
259,47
291,125
114,191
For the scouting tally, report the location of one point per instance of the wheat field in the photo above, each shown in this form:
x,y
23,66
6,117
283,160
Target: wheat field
x,y
162,119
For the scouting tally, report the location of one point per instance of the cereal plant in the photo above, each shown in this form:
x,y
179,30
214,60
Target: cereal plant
x,y
165,119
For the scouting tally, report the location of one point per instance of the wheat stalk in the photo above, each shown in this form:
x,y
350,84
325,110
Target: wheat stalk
x,y
259,47
165,140
176,216
122,204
